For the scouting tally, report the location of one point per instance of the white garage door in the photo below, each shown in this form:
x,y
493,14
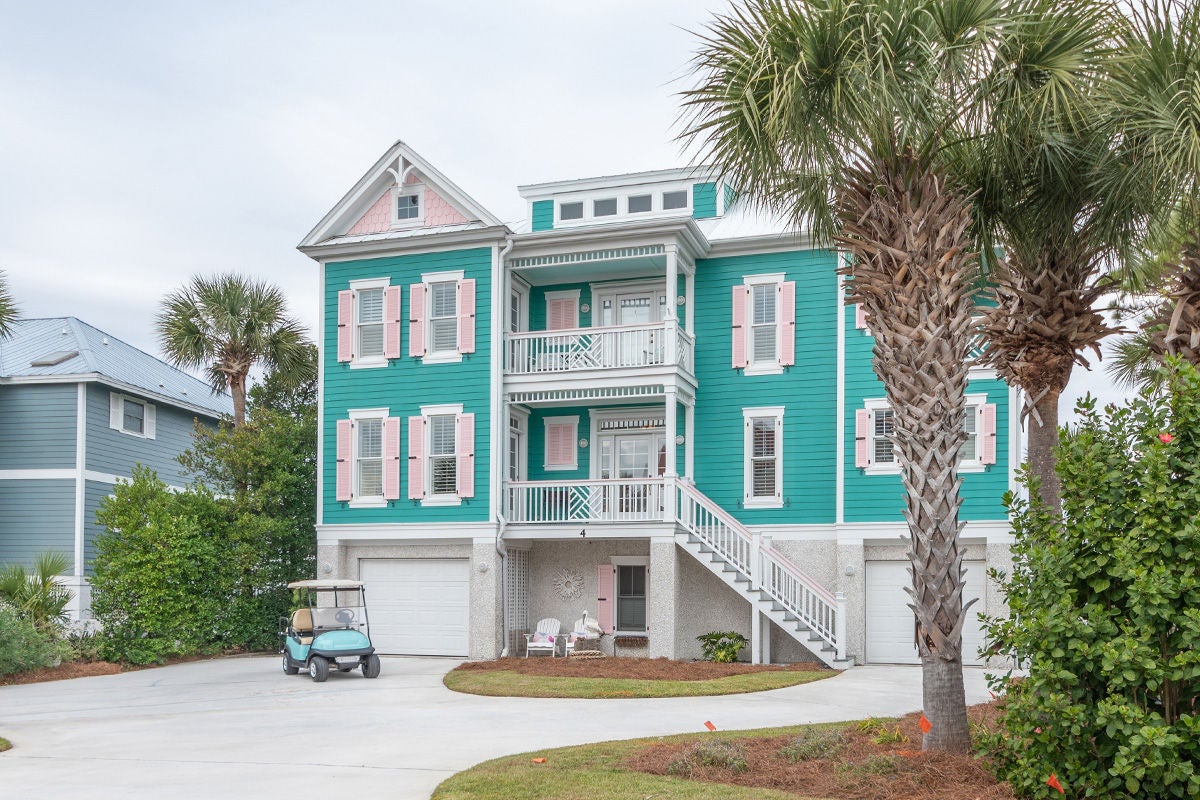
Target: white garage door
x,y
417,606
890,620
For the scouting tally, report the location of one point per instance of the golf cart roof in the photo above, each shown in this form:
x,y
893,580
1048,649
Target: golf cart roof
x,y
327,583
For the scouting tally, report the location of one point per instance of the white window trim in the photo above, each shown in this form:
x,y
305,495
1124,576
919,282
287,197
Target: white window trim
x,y
564,294
440,356
116,413
748,498
622,195
356,500
750,281
432,500
403,191
546,423
522,431
629,561
974,405
521,289
598,417
370,362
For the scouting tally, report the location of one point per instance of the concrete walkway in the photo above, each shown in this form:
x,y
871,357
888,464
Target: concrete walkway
x,y
239,728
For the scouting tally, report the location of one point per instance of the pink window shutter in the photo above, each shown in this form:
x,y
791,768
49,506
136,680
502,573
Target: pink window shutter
x,y
391,458
605,596
416,458
987,434
560,314
344,471
416,320
560,445
862,424
787,323
466,315
465,450
740,331
345,326
391,322
860,317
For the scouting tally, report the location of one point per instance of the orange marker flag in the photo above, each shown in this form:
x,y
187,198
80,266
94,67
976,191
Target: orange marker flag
x,y
926,725
539,761
709,725
1054,784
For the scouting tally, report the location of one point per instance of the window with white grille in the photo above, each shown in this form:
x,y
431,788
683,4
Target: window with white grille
x,y
369,458
443,461
763,457
369,323
443,317
763,325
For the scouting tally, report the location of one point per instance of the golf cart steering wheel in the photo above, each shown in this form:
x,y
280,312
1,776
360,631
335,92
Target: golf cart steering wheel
x,y
344,616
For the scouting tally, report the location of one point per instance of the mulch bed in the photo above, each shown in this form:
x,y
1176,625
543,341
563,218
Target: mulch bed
x,y
655,669
71,669
860,769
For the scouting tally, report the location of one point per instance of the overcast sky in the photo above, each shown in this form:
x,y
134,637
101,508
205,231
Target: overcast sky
x,y
146,142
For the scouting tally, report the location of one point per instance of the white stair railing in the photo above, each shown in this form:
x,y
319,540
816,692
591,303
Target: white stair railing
x,y
768,569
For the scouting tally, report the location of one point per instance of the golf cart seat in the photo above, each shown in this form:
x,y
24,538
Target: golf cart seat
x,y
302,625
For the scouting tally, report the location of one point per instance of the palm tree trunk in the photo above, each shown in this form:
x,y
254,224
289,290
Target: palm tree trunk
x,y
237,388
914,274
1043,438
1176,332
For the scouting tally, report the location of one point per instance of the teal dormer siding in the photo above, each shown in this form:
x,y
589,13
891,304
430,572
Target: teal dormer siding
x,y
543,215
704,200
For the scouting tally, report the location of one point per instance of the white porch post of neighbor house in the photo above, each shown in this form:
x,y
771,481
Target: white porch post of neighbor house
x,y
689,438
689,300
672,281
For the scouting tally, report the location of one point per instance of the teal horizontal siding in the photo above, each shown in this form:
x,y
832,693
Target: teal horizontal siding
x,y
880,498
543,215
406,383
704,200
37,426
113,452
38,516
537,304
808,390
537,444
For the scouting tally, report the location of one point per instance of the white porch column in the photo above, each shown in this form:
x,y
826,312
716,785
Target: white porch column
x,y
755,636
663,591
671,426
766,639
689,441
689,301
673,282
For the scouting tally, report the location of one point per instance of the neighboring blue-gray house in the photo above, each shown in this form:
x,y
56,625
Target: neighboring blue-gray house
x,y
78,409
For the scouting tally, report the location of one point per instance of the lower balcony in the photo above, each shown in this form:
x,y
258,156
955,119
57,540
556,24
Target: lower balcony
x,y
587,501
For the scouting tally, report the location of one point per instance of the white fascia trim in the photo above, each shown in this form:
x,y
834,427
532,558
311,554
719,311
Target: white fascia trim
x,y
797,533
781,242
629,181
321,394
397,531
981,374
985,531
840,404
104,380
80,469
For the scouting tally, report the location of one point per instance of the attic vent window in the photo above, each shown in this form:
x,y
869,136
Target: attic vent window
x,y
54,359
408,205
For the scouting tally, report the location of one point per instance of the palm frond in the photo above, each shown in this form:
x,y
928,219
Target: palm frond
x,y
8,308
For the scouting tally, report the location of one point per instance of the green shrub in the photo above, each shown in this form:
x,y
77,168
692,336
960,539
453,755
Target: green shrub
x,y
161,582
720,754
722,646
1105,608
22,646
891,735
813,743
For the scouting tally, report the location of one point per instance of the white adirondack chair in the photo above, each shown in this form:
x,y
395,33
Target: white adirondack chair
x,y
581,630
545,637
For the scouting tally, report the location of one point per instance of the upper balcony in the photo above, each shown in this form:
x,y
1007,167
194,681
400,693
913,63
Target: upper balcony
x,y
593,352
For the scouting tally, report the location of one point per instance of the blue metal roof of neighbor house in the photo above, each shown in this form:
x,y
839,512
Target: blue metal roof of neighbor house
x,y
67,349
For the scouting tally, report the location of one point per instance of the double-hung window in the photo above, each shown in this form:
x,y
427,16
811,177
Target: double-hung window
x,y
369,324
130,415
368,461
443,459
764,324
763,457
875,430
368,458
443,318
441,455
631,598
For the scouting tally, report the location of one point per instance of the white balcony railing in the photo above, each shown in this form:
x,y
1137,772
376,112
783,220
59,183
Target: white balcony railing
x,y
612,347
630,500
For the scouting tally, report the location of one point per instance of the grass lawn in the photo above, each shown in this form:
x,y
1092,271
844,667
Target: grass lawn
x,y
593,772
504,683
5,744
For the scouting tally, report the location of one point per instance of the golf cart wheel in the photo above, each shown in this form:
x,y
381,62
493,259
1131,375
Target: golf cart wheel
x,y
370,666
288,669
318,668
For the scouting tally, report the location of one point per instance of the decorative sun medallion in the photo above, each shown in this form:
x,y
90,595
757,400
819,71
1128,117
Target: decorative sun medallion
x,y
568,584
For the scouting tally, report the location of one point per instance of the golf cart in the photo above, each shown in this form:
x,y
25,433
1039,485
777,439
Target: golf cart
x,y
331,633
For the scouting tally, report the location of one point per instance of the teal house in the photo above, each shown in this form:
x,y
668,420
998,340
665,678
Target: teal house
x,y
648,402
78,409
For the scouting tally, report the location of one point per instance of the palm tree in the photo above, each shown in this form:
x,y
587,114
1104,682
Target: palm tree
x,y
847,114
1155,97
1039,202
226,325
837,112
8,308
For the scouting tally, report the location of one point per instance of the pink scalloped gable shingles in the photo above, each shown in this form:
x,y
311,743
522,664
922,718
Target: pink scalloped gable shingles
x,y
378,218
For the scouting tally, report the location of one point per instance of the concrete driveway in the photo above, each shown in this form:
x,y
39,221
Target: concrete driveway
x,y
239,728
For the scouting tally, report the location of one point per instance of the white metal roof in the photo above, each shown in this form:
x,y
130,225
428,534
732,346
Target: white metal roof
x,y
67,348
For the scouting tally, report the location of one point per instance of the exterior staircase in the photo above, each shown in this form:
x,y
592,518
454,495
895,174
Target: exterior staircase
x,y
770,582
